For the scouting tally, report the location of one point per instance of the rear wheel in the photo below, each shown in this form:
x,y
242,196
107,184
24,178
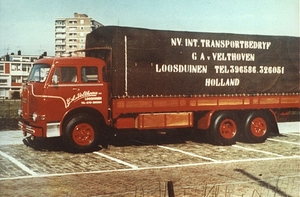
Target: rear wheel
x,y
81,133
257,126
224,128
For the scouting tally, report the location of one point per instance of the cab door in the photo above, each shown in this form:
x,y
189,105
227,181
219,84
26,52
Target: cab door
x,y
74,87
62,88
94,88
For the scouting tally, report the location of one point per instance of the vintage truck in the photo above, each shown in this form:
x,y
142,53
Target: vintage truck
x,y
231,85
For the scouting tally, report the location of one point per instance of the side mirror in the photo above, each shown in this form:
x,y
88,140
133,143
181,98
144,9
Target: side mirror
x,y
55,79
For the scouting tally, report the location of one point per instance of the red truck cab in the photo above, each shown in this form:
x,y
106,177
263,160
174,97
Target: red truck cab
x,y
65,94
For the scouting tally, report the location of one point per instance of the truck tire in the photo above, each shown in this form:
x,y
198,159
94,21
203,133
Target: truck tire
x,y
81,133
224,128
257,126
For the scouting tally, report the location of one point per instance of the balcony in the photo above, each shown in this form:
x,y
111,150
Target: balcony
x,y
60,23
60,43
60,36
17,59
25,59
59,49
60,30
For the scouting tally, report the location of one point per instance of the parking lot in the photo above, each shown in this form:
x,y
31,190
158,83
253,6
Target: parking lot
x,y
152,153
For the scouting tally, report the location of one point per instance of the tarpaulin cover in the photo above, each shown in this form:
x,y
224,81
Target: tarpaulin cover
x,y
169,63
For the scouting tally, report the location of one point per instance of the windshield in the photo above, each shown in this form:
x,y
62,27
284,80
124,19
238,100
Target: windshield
x,y
39,73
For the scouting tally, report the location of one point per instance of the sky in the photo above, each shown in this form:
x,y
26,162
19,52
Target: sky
x,y
29,25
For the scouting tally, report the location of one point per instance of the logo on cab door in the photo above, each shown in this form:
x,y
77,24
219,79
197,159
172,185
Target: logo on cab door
x,y
87,97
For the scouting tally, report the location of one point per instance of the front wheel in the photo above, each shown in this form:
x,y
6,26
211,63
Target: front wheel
x,y
224,128
81,134
257,126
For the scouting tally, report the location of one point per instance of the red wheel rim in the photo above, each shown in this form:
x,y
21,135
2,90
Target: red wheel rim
x,y
83,134
258,127
228,128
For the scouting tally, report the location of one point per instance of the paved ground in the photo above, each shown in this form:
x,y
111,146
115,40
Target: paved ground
x,y
143,168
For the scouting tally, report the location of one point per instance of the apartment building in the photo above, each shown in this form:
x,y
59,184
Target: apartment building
x,y
70,36
14,70
70,33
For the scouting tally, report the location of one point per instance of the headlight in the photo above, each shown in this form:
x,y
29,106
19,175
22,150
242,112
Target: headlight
x,y
34,116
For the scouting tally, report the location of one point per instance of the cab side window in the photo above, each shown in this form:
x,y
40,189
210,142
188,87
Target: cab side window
x,y
89,74
66,74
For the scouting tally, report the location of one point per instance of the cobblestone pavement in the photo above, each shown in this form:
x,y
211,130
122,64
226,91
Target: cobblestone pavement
x,y
142,168
226,179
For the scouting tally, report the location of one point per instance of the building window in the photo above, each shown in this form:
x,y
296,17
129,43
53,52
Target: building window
x,y
72,40
3,81
16,79
60,22
16,67
73,22
33,59
60,35
81,21
72,34
26,68
17,59
60,29
1,68
59,41
60,48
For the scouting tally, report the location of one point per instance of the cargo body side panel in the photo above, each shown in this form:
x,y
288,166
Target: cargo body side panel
x,y
170,63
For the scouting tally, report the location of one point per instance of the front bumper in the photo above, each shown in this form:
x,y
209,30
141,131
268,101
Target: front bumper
x,y
35,131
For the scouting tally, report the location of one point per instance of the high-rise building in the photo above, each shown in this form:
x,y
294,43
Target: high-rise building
x,y
70,33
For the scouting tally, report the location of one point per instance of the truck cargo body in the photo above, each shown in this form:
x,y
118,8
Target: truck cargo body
x,y
170,63
159,76
233,86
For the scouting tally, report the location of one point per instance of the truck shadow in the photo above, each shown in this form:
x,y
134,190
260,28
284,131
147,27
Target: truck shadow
x,y
45,144
125,138
155,137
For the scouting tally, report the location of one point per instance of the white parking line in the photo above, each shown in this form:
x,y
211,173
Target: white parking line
x,y
117,160
287,142
255,150
19,164
152,167
294,134
188,153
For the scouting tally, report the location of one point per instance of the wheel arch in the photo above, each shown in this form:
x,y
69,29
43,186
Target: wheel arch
x,y
81,110
204,120
272,115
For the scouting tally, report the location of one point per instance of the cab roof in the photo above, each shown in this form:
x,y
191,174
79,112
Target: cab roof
x,y
71,60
